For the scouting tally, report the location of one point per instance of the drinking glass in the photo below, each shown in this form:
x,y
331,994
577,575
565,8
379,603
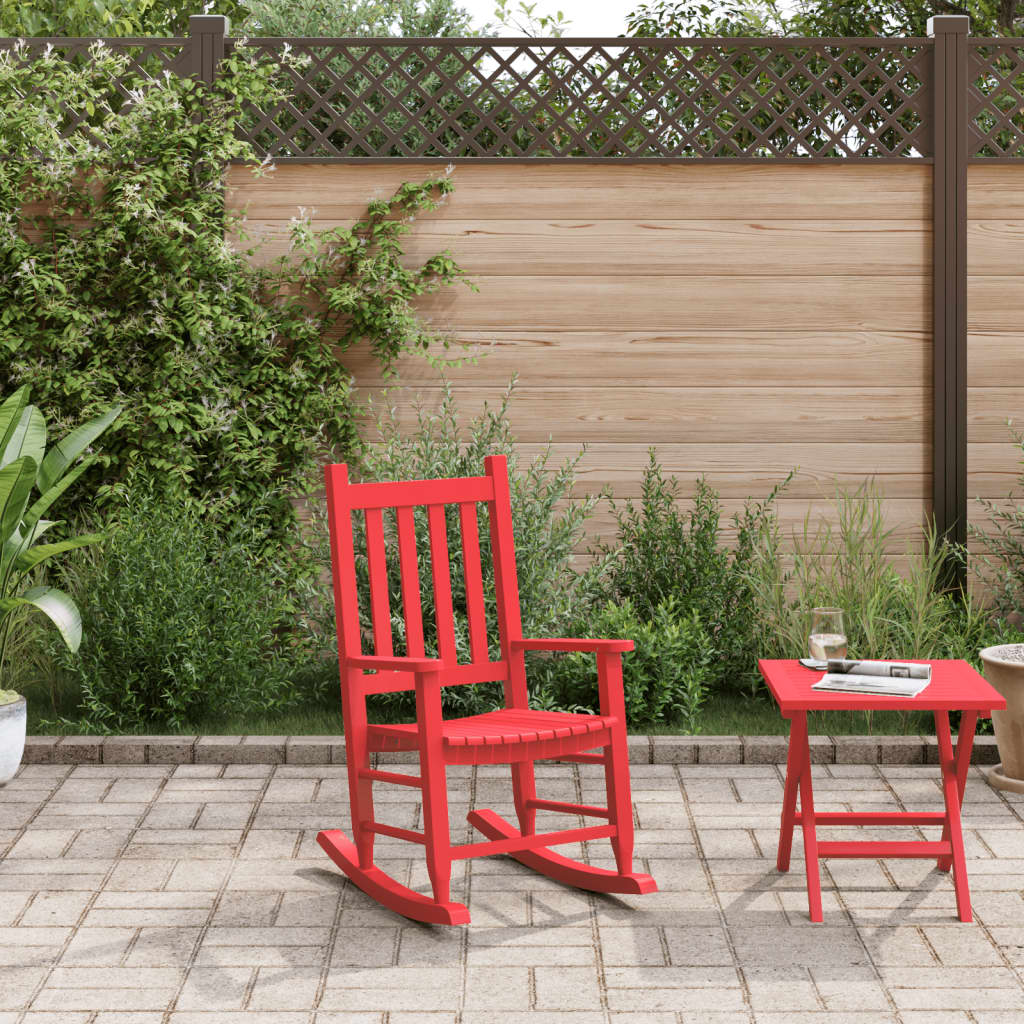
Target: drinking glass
x,y
828,634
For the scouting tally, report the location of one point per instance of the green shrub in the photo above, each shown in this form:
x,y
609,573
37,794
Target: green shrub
x,y
123,287
182,620
1002,563
665,678
547,526
664,552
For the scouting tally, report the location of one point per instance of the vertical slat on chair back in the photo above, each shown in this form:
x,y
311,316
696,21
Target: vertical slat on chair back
x,y
383,544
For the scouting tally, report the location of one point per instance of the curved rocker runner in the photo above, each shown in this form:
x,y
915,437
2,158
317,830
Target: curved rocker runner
x,y
514,735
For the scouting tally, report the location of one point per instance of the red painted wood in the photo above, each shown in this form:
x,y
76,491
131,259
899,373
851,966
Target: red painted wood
x,y
441,577
573,645
514,735
561,807
952,831
562,869
380,601
409,571
955,685
869,848
473,582
384,889
518,842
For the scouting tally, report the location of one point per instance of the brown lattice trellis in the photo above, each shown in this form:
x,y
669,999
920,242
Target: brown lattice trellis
x,y
598,99
995,99
146,59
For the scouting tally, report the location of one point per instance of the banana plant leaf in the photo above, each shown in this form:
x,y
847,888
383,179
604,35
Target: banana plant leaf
x,y
40,552
27,438
16,482
55,605
48,497
65,451
10,414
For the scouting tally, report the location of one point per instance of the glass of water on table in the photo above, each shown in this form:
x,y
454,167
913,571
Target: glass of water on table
x,y
828,634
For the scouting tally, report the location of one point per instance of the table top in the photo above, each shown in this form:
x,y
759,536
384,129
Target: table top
x,y
954,686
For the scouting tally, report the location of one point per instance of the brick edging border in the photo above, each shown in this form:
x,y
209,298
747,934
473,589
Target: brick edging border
x,y
331,750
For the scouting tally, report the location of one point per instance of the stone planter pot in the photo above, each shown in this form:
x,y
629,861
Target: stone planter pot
x,y
13,719
1004,669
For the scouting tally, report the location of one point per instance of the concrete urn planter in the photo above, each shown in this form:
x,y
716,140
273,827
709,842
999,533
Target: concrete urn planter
x,y
13,718
1004,668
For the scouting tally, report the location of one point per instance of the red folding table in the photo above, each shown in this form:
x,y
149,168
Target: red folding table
x,y
954,686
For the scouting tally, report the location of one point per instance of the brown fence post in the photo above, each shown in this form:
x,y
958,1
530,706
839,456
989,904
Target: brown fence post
x,y
206,45
949,280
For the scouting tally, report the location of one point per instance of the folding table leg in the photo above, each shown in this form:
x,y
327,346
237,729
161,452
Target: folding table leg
x,y
964,744
952,794
808,824
793,762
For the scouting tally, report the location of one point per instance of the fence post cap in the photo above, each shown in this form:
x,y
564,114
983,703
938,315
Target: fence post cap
x,y
211,23
942,23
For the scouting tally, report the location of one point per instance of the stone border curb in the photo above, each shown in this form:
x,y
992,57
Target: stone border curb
x,y
308,750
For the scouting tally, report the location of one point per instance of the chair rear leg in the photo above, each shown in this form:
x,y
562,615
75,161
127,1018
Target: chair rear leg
x,y
524,789
620,802
435,828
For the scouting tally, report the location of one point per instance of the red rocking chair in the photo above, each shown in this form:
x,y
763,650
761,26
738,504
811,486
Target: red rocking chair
x,y
515,735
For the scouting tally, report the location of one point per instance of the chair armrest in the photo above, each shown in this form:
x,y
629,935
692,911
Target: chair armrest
x,y
382,664
596,646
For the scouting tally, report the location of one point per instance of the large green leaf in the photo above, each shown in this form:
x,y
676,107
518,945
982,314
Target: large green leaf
x,y
22,537
40,552
65,451
10,413
15,486
56,605
27,438
48,497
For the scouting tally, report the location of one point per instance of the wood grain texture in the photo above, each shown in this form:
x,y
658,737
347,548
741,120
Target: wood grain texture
x,y
995,192
996,357
995,247
558,192
720,303
744,470
752,358
989,410
652,248
656,415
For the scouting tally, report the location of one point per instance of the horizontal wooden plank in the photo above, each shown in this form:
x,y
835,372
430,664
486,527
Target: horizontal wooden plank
x,y
994,303
700,358
903,516
683,414
741,470
721,303
655,247
994,469
995,246
989,410
995,357
512,191
995,191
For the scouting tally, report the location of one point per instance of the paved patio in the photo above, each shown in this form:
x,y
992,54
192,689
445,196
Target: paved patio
x,y
178,895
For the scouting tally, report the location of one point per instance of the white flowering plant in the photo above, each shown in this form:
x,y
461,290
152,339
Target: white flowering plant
x,y
117,280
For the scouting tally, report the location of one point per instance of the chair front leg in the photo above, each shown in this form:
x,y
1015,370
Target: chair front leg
x,y
616,759
435,784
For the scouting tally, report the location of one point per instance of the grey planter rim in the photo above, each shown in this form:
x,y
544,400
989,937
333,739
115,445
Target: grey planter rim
x,y
993,654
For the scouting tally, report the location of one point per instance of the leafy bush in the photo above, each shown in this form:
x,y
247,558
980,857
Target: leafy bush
x,y
665,678
182,620
116,280
547,527
1003,545
664,552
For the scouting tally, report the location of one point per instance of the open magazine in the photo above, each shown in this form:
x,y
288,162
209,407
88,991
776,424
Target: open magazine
x,y
885,678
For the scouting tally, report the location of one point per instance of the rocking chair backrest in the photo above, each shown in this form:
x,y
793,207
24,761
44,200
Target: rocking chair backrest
x,y
344,498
